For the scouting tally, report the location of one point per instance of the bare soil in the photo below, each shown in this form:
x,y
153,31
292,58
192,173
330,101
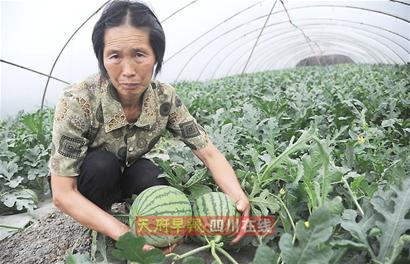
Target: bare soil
x,y
49,240
45,241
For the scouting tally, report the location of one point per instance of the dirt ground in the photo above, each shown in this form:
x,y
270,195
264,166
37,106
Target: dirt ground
x,y
45,241
50,238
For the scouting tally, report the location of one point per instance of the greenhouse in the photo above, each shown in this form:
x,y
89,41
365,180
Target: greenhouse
x,y
204,131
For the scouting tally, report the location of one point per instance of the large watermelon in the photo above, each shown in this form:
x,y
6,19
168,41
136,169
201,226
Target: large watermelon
x,y
160,202
216,207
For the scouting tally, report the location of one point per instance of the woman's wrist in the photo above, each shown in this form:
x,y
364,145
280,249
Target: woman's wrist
x,y
121,230
237,195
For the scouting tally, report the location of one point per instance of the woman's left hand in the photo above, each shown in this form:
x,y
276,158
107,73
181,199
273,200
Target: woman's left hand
x,y
225,178
243,206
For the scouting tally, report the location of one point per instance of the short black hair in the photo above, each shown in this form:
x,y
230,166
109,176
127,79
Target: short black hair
x,y
120,12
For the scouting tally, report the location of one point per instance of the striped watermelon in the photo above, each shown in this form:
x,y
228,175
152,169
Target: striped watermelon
x,y
160,200
217,206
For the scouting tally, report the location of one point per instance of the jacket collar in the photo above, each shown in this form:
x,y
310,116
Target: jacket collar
x,y
114,116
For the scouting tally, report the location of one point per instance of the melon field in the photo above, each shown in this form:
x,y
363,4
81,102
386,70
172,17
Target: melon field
x,y
325,150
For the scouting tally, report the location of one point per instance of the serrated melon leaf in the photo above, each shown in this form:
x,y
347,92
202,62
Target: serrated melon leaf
x,y
129,247
311,242
78,259
266,203
21,199
193,260
359,230
393,205
265,255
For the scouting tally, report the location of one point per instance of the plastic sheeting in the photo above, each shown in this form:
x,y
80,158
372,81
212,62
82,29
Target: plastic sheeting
x,y
206,39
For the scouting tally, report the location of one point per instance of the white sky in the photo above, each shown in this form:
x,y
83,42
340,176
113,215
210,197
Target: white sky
x,y
34,31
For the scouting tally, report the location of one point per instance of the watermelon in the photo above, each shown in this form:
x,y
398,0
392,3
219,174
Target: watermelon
x,y
158,203
216,207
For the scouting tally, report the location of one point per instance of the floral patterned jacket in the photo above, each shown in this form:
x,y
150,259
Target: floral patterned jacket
x,y
89,115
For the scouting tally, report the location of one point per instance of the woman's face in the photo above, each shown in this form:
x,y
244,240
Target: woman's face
x,y
128,59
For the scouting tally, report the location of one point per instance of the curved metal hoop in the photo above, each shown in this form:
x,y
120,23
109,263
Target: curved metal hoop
x,y
235,41
359,43
264,64
301,45
277,51
277,12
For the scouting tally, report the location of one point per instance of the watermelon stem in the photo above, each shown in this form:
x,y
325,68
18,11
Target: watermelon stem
x,y
213,252
353,196
187,254
289,215
299,144
227,255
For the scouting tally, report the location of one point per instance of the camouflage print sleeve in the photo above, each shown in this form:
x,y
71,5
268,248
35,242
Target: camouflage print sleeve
x,y
69,145
184,126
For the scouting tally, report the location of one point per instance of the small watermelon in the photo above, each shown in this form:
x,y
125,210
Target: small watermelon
x,y
219,216
162,203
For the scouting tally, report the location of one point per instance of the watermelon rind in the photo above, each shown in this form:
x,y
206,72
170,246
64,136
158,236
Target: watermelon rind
x,y
215,206
160,201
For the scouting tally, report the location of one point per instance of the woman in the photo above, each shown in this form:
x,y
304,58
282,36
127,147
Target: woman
x,y
104,125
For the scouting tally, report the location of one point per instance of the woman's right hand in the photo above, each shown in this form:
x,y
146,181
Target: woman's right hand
x,y
68,199
165,250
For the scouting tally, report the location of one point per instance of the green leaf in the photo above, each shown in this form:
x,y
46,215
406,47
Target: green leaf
x,y
22,199
398,247
199,176
265,202
359,230
335,205
349,244
8,169
387,221
389,123
129,247
101,246
198,190
311,244
14,182
291,148
309,188
265,255
175,173
393,205
78,258
193,260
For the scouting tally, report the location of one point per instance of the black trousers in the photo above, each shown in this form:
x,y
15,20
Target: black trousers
x,y
103,183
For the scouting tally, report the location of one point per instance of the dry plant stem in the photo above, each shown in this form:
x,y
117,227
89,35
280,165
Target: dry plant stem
x,y
10,227
93,244
77,242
